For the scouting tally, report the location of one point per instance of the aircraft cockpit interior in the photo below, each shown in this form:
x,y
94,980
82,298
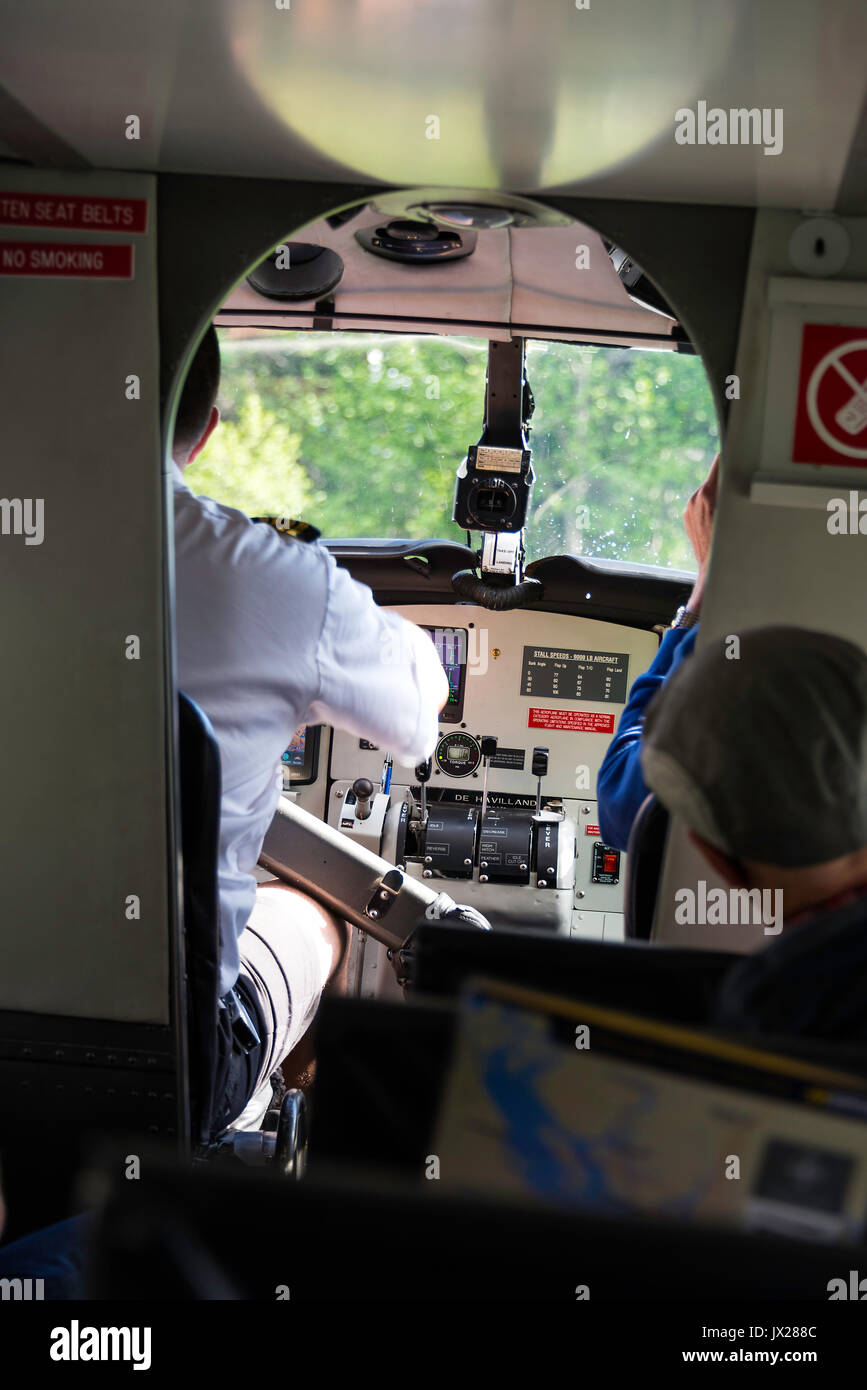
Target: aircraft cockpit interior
x,y
434,773
550,568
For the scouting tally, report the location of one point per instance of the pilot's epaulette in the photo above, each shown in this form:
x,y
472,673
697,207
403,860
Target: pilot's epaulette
x,y
291,526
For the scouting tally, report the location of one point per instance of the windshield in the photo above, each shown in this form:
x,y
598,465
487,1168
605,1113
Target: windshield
x,y
361,434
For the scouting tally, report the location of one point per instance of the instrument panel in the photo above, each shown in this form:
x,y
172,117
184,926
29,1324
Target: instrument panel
x,y
527,679
528,691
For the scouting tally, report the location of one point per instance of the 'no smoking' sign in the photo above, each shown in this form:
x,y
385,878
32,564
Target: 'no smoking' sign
x,y
831,420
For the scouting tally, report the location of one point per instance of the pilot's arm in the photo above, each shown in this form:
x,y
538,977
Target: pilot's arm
x,y
621,786
379,675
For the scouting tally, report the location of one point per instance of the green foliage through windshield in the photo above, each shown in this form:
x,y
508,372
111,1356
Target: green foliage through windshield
x,y
361,434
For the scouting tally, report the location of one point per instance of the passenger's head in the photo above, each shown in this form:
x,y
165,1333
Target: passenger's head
x,y
197,415
759,743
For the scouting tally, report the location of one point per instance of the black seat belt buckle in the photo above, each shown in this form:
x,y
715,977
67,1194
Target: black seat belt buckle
x,y
244,1032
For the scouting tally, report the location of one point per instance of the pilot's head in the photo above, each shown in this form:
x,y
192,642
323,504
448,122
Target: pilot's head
x,y
198,416
759,743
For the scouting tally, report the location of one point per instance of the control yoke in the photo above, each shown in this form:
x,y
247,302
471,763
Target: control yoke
x,y
353,882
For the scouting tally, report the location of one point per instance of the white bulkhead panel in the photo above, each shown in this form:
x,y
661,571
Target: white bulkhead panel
x,y
82,700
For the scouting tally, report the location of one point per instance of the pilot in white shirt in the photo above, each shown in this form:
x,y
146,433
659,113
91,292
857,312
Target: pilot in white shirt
x,y
272,634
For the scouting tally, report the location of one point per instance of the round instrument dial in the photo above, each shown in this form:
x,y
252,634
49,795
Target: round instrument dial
x,y
458,755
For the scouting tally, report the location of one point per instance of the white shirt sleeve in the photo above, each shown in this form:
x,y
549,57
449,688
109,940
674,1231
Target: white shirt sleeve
x,y
379,675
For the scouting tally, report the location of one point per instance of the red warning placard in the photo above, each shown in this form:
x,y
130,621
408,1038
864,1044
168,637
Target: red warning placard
x,y
573,721
831,419
592,830
66,258
76,212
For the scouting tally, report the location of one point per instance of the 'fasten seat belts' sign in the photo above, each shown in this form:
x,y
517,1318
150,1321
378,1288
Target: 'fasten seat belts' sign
x,y
831,418
73,212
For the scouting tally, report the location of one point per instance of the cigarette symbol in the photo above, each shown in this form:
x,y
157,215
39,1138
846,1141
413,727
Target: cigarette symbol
x,y
852,417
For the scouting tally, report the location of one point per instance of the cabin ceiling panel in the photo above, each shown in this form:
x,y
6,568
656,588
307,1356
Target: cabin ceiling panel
x,y
531,95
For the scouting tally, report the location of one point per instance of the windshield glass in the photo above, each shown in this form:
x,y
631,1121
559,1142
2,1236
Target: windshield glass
x,y
361,434
621,437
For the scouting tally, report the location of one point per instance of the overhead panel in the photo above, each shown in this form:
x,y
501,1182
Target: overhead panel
x,y
544,281
375,291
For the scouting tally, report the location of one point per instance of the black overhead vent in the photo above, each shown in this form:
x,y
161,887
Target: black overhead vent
x,y
297,270
416,243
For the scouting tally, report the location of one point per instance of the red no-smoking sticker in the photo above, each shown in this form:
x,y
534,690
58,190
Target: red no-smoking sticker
x,y
66,258
831,420
573,721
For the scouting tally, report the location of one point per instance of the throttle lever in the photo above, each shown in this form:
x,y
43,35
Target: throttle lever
x,y
422,776
539,770
363,789
488,746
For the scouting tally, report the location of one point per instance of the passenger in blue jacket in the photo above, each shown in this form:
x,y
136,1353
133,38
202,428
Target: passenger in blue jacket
x,y
621,787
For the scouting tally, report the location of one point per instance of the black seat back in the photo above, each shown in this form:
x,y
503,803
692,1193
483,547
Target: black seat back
x,y
672,983
169,1233
645,854
200,839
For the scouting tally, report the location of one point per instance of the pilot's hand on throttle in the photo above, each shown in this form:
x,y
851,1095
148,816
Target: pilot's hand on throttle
x,y
698,518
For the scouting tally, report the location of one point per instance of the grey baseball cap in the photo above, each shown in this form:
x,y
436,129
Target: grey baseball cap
x,y
765,754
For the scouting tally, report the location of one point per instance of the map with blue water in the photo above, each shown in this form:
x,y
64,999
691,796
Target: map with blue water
x,y
528,1112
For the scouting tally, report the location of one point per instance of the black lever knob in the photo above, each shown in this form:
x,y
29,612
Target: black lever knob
x,y
488,745
540,762
422,773
363,789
